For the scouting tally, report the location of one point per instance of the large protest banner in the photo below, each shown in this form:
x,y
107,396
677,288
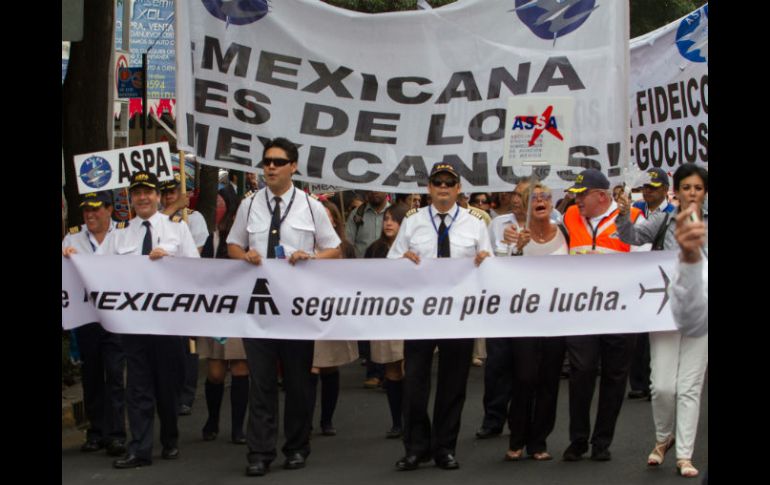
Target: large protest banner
x,y
340,300
375,100
668,94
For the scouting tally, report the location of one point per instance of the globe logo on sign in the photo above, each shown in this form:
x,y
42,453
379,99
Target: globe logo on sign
x,y
95,172
692,36
237,12
551,19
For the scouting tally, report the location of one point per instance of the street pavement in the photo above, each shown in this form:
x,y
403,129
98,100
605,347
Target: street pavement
x,y
360,453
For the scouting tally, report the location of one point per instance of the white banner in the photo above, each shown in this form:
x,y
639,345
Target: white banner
x,y
668,94
376,100
113,169
371,299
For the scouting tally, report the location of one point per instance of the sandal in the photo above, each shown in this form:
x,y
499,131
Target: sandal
x,y
685,468
512,455
542,456
659,452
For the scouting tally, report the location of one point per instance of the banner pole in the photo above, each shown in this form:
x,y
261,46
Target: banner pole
x,y
183,182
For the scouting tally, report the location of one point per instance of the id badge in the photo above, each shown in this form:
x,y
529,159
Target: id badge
x,y
279,252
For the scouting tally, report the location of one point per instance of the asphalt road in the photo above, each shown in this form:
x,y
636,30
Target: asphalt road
x,y
361,454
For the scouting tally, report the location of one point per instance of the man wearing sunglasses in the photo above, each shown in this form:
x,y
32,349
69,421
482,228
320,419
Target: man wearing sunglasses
x,y
591,226
280,221
441,230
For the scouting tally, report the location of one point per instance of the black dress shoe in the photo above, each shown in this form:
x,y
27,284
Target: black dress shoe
x,y
447,462
601,453
170,453
238,438
410,462
91,446
328,430
575,451
116,448
638,394
257,469
131,461
209,435
294,461
395,432
185,410
484,433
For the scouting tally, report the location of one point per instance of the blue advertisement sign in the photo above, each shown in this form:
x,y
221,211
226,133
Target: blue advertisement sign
x,y
152,31
130,82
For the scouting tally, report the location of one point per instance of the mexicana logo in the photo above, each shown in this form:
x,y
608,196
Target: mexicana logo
x,y
543,122
237,12
551,19
692,36
95,172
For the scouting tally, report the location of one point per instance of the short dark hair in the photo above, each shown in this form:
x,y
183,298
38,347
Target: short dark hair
x,y
687,169
284,144
475,196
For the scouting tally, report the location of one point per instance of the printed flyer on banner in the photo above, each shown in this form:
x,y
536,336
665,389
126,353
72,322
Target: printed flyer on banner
x,y
538,131
668,94
375,105
113,169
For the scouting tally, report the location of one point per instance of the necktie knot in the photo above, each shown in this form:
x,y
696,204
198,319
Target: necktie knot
x,y
146,223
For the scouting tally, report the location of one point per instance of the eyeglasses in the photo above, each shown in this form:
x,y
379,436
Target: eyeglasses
x,y
276,162
541,196
446,182
482,201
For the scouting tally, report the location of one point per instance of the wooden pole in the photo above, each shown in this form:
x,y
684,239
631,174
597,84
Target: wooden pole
x,y
184,184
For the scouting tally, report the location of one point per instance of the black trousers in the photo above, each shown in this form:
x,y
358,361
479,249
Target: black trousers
x,y
104,395
585,352
296,357
454,361
154,370
498,382
190,377
639,376
536,363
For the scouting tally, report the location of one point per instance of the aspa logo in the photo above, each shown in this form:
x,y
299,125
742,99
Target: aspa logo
x,y
95,172
237,12
551,19
544,122
692,36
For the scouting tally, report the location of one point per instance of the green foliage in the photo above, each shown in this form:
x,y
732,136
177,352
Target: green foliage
x,y
374,6
648,15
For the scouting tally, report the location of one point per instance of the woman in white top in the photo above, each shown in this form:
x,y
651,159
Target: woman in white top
x,y
537,361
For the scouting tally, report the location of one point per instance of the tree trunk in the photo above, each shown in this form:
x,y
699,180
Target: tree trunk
x,y
85,95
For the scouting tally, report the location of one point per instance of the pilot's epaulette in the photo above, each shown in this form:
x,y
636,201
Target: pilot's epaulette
x,y
189,211
121,225
411,212
176,218
475,212
74,229
248,194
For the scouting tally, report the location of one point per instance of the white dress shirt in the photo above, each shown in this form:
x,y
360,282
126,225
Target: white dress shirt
x,y
173,237
689,293
306,227
468,234
84,242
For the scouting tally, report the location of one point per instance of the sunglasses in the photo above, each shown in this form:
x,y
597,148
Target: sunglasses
x,y
445,182
541,196
482,201
276,162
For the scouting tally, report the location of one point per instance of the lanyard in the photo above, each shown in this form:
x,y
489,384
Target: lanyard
x,y
288,208
446,231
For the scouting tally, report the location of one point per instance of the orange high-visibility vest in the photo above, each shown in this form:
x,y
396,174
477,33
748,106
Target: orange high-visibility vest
x,y
583,239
